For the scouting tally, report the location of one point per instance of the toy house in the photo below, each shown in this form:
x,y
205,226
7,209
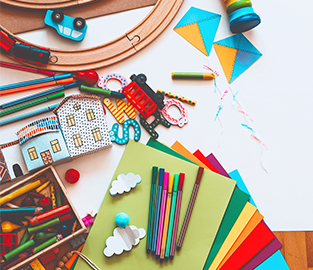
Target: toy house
x,y
42,143
83,124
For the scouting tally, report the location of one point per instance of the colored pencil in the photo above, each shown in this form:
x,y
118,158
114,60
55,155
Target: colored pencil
x,y
36,86
25,68
151,208
157,211
36,81
189,209
162,213
177,212
38,95
27,211
167,215
32,103
22,190
172,216
27,115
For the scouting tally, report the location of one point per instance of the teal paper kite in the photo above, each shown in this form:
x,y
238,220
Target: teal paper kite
x,y
236,54
199,27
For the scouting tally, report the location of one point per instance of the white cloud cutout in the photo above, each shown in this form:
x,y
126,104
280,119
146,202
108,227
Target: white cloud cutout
x,y
124,183
123,239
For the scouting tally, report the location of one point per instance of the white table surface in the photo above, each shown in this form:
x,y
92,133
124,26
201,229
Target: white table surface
x,y
275,91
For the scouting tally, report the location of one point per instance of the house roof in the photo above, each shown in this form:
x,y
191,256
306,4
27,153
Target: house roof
x,y
77,97
35,128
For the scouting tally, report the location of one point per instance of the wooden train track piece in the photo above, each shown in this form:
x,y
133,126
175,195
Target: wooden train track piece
x,y
119,49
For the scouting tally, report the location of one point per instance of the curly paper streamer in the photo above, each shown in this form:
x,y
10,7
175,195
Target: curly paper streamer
x,y
245,114
234,97
218,111
216,75
224,94
262,143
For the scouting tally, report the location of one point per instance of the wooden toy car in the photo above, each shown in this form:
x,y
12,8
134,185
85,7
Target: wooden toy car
x,y
66,26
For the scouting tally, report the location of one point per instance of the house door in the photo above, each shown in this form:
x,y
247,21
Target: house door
x,y
46,157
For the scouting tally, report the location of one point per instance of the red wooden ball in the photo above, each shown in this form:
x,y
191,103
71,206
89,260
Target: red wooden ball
x,y
45,202
72,176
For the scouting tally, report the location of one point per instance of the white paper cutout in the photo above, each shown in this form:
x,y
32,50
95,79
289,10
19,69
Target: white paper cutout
x,y
124,183
123,239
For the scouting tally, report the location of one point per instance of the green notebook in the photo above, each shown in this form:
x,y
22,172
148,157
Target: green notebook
x,y
211,203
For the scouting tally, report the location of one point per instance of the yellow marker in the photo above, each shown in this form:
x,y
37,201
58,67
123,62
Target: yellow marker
x,y
22,190
167,215
42,186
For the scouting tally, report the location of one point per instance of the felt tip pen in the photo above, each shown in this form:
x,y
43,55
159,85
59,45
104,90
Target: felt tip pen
x,y
193,75
51,214
47,243
103,92
27,211
25,68
38,95
32,103
22,190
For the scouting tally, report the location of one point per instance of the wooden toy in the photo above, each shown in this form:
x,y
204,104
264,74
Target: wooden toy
x,y
28,201
4,172
104,80
77,241
150,127
72,176
180,120
83,124
181,98
241,15
112,52
34,4
45,202
47,257
36,265
89,77
121,108
125,137
66,26
124,183
42,143
8,241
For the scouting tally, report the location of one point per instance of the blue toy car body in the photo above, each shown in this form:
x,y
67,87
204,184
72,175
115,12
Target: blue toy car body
x,y
66,26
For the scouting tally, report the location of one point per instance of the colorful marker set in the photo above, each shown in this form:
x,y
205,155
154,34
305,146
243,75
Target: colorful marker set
x,y
164,210
36,216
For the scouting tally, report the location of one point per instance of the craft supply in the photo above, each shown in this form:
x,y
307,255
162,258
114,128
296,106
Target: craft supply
x,y
36,86
189,209
124,183
35,265
7,226
18,250
125,137
38,95
72,176
8,241
193,75
176,214
151,209
73,258
52,193
162,214
49,224
47,257
28,211
47,243
22,190
121,108
122,220
50,215
42,235
11,205
58,196
26,68
25,238
26,115
167,216
199,28
182,119
103,92
241,15
45,202
157,210
44,185
181,98
28,201
172,217
87,220
33,103
36,81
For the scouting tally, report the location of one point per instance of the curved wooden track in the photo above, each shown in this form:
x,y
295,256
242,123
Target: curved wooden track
x,y
45,4
112,52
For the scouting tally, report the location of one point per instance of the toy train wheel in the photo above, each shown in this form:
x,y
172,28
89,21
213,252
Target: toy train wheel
x,y
79,23
57,16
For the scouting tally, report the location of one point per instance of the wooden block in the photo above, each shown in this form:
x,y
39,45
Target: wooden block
x,y
309,248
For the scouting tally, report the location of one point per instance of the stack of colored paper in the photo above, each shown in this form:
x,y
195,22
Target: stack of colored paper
x,y
225,230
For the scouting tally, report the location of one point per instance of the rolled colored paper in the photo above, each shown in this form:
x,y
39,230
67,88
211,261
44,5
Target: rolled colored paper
x,y
51,214
33,103
193,75
22,190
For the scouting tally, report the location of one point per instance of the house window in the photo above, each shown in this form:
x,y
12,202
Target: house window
x,y
32,153
77,140
70,120
55,146
76,106
96,134
90,115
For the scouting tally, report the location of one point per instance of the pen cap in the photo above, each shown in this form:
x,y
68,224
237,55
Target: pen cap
x,y
170,183
181,181
161,176
165,180
154,174
176,181
199,175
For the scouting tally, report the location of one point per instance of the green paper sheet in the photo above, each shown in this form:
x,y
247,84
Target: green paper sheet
x,y
212,200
